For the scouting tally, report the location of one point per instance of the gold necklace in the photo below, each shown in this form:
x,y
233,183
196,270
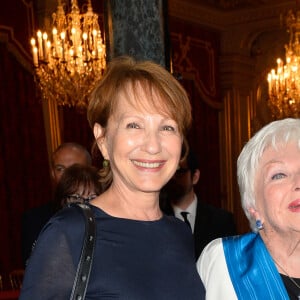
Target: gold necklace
x,y
285,272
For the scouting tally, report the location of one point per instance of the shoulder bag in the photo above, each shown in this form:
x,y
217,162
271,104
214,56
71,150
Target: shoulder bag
x,y
86,258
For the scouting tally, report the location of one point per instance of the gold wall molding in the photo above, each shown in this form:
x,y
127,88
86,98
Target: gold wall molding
x,y
182,59
183,62
15,47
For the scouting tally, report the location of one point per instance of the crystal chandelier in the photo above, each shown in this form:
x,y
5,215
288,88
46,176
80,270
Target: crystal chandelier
x,y
69,61
284,83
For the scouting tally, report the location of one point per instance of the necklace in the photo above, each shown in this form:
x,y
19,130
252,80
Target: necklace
x,y
285,272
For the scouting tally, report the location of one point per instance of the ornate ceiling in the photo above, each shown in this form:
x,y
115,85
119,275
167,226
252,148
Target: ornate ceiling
x,y
239,22
227,5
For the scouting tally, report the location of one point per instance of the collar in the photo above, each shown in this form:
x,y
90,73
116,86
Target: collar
x,y
192,208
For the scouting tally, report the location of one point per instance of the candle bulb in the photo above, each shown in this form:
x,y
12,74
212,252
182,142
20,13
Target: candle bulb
x,y
62,36
54,35
74,36
35,56
95,33
85,46
40,45
32,42
45,49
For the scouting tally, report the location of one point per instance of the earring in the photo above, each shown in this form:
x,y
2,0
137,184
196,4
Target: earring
x,y
259,225
105,163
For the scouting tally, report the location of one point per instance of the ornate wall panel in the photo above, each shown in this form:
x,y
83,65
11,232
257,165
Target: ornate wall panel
x,y
195,61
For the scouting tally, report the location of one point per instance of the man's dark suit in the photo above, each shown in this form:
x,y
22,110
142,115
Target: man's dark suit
x,y
210,223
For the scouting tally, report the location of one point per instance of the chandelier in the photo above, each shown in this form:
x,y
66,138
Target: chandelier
x,y
69,61
284,83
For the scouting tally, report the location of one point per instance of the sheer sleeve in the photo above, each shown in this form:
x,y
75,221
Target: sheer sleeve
x,y
52,266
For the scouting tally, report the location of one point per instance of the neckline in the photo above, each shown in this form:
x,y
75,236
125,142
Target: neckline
x,y
292,290
288,277
96,208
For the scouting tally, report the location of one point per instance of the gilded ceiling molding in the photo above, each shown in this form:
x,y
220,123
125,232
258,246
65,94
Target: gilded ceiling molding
x,y
220,19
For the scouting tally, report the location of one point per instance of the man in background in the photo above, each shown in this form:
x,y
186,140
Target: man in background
x,y
178,198
33,220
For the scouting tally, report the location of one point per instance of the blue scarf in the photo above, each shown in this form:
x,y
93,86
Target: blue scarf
x,y
252,270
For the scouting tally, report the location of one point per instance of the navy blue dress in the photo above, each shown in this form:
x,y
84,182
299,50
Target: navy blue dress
x,y
132,260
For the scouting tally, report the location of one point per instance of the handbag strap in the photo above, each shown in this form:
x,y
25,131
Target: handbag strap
x,y
86,257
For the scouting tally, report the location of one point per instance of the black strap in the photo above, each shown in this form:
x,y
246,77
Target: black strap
x,y
86,258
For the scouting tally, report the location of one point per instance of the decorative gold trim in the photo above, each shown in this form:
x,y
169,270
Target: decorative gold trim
x,y
52,127
226,155
187,69
14,46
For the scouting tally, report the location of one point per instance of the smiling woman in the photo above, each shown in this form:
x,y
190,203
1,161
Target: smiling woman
x,y
143,146
268,259
140,115
144,86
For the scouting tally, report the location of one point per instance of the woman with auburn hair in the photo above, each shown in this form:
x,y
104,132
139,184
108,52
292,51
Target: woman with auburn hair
x,y
140,115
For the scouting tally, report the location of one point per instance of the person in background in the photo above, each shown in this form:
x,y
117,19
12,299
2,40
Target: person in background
x,y
140,115
265,263
79,183
178,198
66,155
34,219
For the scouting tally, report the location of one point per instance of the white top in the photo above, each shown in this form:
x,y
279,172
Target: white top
x,y
191,209
213,271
